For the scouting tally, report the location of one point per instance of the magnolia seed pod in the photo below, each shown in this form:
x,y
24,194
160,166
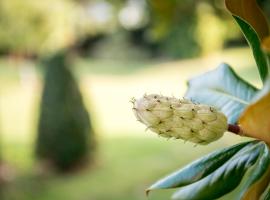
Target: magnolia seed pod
x,y
180,119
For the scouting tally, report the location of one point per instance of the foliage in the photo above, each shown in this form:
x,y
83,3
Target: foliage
x,y
180,27
65,134
47,26
253,120
37,27
243,169
255,28
205,178
34,28
228,91
117,46
171,22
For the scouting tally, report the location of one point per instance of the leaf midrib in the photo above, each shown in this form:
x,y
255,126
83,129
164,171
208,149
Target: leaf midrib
x,y
224,93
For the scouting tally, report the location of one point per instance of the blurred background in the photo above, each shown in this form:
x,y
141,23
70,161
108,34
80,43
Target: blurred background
x,y
68,69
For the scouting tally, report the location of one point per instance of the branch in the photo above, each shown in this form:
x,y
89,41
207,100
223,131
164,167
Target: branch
x,y
236,129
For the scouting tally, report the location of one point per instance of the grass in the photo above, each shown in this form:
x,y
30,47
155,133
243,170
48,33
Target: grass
x,y
128,159
125,167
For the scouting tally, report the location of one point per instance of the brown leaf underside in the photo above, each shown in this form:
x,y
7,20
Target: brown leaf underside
x,y
258,188
255,121
250,11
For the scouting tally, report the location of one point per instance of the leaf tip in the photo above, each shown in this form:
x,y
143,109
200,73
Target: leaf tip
x,y
147,192
224,66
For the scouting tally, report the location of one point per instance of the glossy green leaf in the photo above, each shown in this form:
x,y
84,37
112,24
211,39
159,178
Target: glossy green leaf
x,y
255,44
259,177
200,168
254,26
224,179
224,89
250,11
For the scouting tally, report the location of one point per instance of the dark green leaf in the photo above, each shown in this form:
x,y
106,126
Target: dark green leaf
x,y
255,44
259,170
200,168
224,179
223,89
250,11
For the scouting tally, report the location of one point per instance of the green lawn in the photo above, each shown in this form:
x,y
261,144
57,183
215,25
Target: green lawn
x,y
124,168
128,159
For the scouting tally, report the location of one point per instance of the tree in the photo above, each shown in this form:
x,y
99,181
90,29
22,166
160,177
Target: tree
x,y
38,27
65,134
173,20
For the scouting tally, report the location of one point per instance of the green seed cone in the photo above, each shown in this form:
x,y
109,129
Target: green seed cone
x,y
180,119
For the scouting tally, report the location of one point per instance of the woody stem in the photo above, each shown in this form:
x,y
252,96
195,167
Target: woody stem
x,y
235,129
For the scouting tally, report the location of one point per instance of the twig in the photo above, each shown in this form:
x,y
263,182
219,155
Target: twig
x,y
235,129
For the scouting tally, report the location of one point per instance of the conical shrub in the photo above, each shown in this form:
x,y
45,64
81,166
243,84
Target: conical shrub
x,y
65,135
